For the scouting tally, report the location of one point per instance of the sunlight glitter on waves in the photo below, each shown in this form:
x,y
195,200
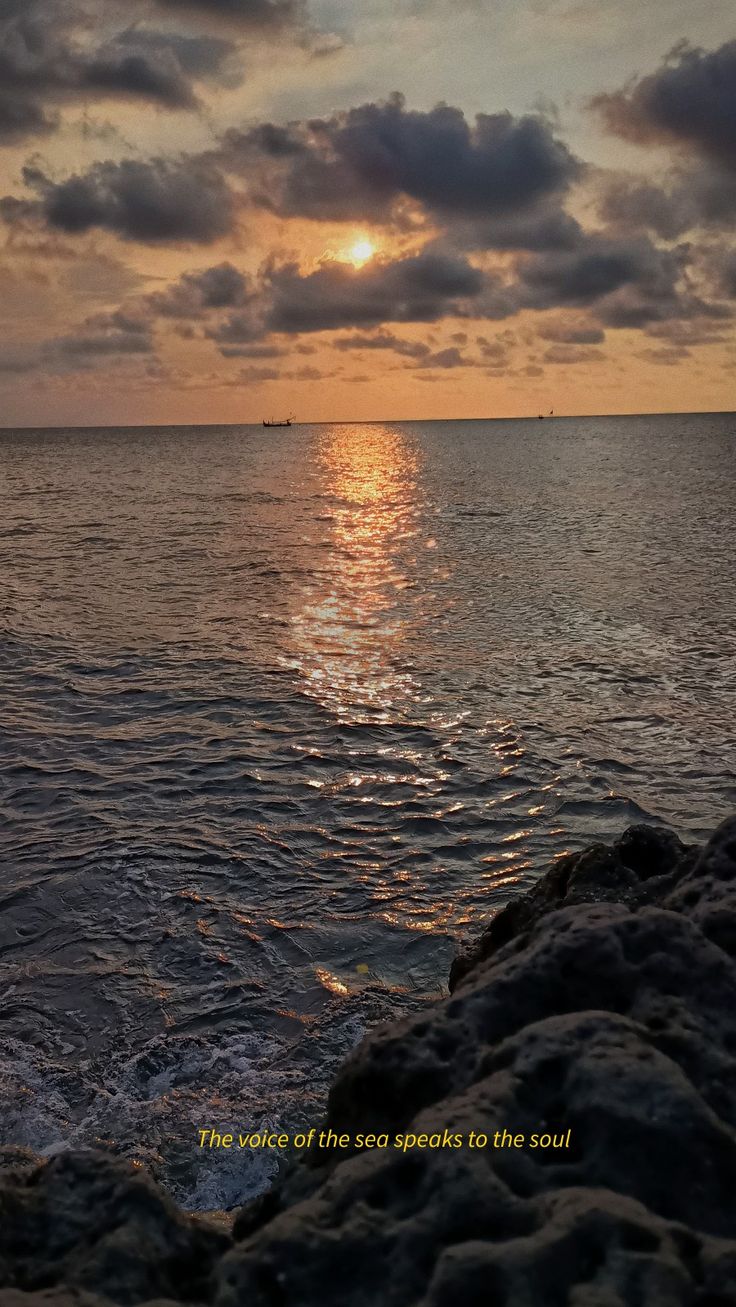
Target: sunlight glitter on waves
x,y
331,981
347,640
516,836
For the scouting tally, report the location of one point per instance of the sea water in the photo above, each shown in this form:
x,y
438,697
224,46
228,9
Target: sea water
x,y
286,714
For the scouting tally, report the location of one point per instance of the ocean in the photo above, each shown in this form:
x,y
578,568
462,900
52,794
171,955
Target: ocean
x,y
288,713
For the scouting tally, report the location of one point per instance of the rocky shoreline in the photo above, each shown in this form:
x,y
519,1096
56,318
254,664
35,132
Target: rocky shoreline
x,y
601,1003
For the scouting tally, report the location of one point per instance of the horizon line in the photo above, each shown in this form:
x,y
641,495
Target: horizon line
x,y
365,422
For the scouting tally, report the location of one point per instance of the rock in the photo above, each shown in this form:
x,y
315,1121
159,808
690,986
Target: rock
x,y
17,1159
89,1222
603,1005
637,869
600,1004
49,1298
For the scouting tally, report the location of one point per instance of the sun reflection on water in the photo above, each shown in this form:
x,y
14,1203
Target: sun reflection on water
x,y
349,634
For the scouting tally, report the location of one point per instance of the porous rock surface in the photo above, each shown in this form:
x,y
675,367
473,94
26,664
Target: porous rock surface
x,y
603,1002
86,1224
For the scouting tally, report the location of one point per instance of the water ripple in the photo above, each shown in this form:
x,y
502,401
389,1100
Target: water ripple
x,y
291,715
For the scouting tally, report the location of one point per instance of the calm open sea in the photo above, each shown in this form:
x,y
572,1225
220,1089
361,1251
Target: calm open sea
x,y
285,713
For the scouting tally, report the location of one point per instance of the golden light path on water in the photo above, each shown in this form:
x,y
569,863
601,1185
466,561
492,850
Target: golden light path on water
x,y
354,638
349,635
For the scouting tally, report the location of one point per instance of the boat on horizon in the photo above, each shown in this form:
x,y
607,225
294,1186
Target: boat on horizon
x,y
273,422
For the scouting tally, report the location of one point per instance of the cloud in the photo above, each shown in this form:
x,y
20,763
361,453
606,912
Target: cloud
x,y
256,374
601,266
493,351
254,351
572,354
21,117
202,56
625,282
445,358
690,331
15,360
137,75
107,334
419,288
665,357
220,287
728,275
413,349
360,162
629,203
699,194
689,101
161,200
47,60
258,15
572,333
237,329
544,227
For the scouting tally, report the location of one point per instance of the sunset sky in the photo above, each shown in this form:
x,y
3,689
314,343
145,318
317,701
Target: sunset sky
x,y
219,210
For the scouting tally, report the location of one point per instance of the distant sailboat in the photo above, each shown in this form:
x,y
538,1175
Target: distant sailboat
x,y
550,414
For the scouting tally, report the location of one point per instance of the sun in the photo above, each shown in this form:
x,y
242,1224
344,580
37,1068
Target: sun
x,y
361,252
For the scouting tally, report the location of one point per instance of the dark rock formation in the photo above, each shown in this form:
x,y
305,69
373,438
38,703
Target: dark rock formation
x,y
604,1003
639,868
88,1223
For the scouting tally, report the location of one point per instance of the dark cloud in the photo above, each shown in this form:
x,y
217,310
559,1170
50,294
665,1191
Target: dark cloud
x,y
256,374
572,333
665,357
445,358
601,266
31,63
237,329
623,281
700,194
21,117
267,139
107,334
638,307
421,288
15,360
413,349
306,373
46,61
544,227
493,351
254,14
690,331
205,57
161,200
138,75
254,351
690,100
358,163
572,354
728,275
633,204
164,67
220,287
689,103
712,193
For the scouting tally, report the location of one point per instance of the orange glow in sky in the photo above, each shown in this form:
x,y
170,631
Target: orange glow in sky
x,y
361,252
